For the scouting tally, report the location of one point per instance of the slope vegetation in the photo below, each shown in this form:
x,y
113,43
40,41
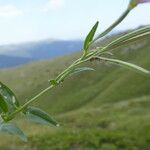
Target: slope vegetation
x,y
108,109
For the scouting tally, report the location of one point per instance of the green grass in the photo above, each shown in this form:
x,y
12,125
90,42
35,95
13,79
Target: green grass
x,y
108,109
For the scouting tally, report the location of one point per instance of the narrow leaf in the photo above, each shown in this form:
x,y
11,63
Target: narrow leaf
x,y
12,129
39,116
79,70
9,97
126,64
90,36
3,105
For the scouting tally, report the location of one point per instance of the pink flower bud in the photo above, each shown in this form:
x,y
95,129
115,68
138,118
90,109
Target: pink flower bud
x,y
143,1
134,3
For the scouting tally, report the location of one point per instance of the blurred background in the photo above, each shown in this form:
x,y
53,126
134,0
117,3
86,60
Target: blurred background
x,y
43,29
108,109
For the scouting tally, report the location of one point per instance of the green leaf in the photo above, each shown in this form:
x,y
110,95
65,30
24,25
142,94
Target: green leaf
x,y
3,105
9,97
126,65
12,129
79,70
90,36
39,116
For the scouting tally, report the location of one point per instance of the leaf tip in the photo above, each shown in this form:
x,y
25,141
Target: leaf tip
x,y
90,36
97,22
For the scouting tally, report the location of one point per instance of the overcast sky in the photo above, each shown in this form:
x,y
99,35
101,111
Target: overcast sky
x,y
32,20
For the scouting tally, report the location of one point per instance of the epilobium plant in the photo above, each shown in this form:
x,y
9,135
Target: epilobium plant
x,y
9,104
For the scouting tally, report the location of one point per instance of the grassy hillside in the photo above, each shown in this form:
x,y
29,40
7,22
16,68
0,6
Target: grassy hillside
x,y
107,109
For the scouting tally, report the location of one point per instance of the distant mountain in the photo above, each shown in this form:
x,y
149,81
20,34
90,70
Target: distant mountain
x,y
26,52
12,61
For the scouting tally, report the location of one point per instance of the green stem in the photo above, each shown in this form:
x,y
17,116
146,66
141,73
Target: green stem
x,y
30,101
83,59
60,77
127,38
66,70
110,28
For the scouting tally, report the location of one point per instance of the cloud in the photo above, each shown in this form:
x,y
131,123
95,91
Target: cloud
x,y
9,11
54,4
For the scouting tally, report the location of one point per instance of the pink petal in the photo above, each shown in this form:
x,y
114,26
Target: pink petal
x,y
144,1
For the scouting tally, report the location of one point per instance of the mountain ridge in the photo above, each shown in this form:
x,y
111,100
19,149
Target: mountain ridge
x,y
34,51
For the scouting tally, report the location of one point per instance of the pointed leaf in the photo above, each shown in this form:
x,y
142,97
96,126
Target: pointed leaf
x,y
39,116
12,129
3,105
90,36
126,64
79,70
9,97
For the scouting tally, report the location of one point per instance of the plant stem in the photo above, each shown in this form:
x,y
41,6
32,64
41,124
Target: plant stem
x,y
111,27
84,58
61,76
133,35
30,101
67,69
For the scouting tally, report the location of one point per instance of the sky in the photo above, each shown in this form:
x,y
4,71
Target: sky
x,y
33,20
